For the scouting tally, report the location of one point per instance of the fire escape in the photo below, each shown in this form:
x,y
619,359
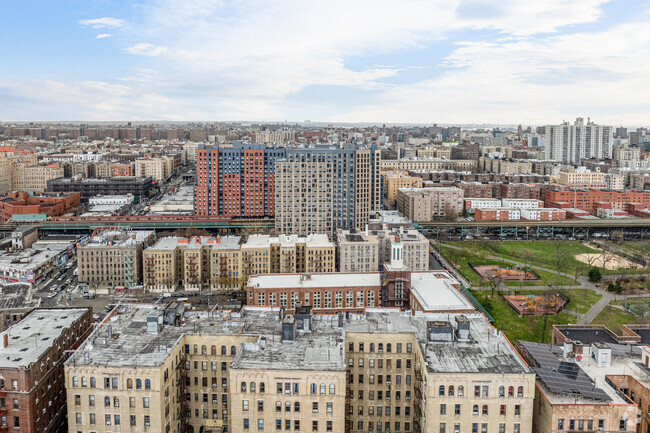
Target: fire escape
x,y
150,272
417,403
3,412
192,274
182,396
129,277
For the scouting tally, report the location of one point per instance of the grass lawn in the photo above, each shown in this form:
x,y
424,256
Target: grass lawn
x,y
468,254
615,318
519,328
640,306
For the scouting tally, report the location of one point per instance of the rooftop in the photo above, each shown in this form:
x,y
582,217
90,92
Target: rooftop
x,y
263,241
115,237
279,281
33,336
435,292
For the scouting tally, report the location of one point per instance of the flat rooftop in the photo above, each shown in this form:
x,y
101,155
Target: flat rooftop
x,y
281,281
118,238
434,291
33,336
263,241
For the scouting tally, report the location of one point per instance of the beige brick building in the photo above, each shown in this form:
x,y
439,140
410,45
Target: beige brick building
x,y
428,164
423,204
33,178
365,251
582,178
113,258
505,165
259,370
321,189
10,159
396,180
224,262
158,168
443,152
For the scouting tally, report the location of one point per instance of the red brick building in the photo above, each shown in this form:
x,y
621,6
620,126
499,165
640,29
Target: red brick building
x,y
32,355
500,214
52,204
122,170
588,199
237,181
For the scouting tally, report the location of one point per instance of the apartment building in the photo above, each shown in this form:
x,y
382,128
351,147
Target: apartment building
x,y
236,181
497,214
505,165
259,370
32,353
640,181
394,181
470,204
11,158
581,177
34,178
279,136
585,388
443,152
224,261
321,189
543,214
423,204
429,164
570,143
366,251
158,169
112,259
588,199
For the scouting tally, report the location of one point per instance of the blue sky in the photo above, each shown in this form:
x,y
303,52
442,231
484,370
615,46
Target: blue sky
x,y
418,61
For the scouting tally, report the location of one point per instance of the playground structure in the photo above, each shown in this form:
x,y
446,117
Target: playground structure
x,y
537,305
504,273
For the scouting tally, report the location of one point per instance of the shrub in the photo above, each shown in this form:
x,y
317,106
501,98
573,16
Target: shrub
x,y
595,275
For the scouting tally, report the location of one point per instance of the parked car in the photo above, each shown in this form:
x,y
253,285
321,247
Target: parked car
x,y
88,295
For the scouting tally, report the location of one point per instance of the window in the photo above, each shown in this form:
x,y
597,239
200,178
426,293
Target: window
x,y
502,391
517,410
314,426
278,406
75,381
78,417
517,428
372,347
93,382
147,384
296,407
314,407
332,388
388,348
84,382
129,383
443,409
312,388
138,384
329,407
441,390
145,402
475,410
520,391
91,400
502,410
443,427
243,386
260,405
117,419
560,424
322,385
260,424
622,424
451,390
461,390
93,419
485,409
456,409
511,391
246,424
107,402
252,387
244,405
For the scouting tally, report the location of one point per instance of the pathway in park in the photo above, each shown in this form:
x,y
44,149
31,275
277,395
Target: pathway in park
x,y
595,309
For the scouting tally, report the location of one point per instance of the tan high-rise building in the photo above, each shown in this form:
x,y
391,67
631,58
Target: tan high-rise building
x,y
156,369
582,178
396,180
11,158
319,190
423,204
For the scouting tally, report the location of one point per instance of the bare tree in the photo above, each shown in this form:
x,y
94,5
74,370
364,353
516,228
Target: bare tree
x,y
547,306
606,257
494,279
560,257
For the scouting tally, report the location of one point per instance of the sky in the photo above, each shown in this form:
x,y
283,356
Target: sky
x,y
384,61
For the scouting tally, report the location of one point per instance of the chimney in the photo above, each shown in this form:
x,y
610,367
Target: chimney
x,y
5,340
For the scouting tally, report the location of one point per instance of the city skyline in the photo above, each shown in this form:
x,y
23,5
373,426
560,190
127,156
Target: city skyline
x,y
433,62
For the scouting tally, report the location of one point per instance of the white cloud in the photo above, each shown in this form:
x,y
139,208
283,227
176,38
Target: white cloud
x,y
103,36
602,74
103,23
149,50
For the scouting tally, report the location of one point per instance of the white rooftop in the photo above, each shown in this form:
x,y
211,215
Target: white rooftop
x,y
32,337
263,241
279,281
434,291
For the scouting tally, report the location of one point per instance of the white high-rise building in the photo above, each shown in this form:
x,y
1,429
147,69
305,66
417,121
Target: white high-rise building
x,y
570,143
